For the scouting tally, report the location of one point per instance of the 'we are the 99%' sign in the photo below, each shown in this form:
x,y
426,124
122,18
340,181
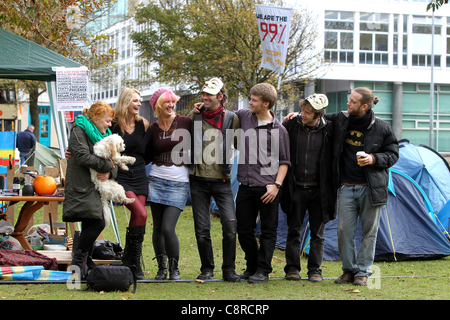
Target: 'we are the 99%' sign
x,y
274,24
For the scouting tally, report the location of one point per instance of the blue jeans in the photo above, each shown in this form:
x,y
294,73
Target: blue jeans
x,y
23,157
354,204
201,193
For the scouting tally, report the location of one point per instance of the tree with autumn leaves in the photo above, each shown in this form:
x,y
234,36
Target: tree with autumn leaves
x,y
194,40
59,25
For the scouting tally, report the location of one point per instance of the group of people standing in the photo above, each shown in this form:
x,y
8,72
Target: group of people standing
x,y
303,164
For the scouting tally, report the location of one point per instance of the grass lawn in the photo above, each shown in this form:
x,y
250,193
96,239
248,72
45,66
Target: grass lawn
x,y
427,280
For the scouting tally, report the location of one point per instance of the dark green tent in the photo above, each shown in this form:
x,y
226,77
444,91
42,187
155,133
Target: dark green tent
x,y
24,59
41,156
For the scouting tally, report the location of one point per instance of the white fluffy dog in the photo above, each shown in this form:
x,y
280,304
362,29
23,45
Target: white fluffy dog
x,y
110,148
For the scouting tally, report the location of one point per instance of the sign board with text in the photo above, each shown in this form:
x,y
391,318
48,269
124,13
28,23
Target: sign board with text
x,y
72,89
68,116
274,24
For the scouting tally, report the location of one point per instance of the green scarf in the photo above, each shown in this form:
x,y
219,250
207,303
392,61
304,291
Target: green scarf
x,y
91,130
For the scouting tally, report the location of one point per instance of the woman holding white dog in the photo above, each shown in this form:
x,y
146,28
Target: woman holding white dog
x,y
82,202
134,130
168,180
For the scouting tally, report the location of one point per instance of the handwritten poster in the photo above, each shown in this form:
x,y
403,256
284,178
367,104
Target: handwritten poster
x,y
274,24
72,89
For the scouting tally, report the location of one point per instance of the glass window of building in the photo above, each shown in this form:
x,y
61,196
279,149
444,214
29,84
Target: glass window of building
x,y
422,35
373,38
448,42
44,128
396,39
405,40
339,27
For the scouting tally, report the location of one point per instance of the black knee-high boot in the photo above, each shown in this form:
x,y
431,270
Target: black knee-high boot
x,y
133,249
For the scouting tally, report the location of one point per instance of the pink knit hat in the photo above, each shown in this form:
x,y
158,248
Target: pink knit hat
x,y
168,93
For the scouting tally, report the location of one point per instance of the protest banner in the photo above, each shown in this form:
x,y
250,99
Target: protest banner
x,y
274,24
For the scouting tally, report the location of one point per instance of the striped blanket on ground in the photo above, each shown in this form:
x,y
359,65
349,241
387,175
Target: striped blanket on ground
x,y
32,273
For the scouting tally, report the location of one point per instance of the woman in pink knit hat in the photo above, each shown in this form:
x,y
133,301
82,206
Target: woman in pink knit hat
x,y
168,179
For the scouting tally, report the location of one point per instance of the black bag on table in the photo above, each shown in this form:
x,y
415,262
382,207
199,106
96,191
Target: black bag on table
x,y
111,278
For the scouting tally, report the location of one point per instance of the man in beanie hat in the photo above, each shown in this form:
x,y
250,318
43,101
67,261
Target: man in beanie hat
x,y
307,185
210,176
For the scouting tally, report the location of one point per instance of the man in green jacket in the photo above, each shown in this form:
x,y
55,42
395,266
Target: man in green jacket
x,y
210,176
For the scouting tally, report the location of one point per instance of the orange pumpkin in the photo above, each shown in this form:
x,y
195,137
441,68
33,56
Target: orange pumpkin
x,y
44,185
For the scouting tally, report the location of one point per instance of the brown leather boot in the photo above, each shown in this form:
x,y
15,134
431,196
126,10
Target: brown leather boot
x,y
346,277
360,281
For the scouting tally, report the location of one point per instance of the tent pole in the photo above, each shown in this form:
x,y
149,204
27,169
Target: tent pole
x,y
114,222
51,87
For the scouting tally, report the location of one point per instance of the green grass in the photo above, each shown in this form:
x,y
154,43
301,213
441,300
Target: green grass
x,y
399,280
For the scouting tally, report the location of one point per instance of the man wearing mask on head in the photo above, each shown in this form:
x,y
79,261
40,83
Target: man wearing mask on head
x,y
307,186
210,176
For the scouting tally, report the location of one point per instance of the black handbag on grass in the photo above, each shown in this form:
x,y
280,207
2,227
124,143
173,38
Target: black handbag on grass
x,y
111,278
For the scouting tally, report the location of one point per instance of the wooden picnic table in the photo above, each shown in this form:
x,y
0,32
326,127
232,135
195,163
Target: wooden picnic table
x,y
32,204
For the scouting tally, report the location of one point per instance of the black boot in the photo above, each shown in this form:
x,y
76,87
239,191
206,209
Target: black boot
x,y
79,260
162,267
133,249
89,262
173,269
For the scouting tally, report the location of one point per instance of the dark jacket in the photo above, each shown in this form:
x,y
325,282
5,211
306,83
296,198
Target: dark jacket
x,y
380,141
25,140
328,192
82,201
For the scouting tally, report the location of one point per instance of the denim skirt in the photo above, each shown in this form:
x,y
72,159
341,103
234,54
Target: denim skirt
x,y
167,192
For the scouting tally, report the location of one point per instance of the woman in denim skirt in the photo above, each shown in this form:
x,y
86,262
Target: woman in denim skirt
x,y
168,179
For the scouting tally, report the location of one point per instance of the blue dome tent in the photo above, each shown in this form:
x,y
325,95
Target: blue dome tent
x,y
408,230
432,173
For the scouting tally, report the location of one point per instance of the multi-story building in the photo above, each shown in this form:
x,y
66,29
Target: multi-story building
x,y
386,45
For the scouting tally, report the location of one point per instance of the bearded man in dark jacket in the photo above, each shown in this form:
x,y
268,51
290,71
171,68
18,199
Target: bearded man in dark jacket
x,y
307,186
362,183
